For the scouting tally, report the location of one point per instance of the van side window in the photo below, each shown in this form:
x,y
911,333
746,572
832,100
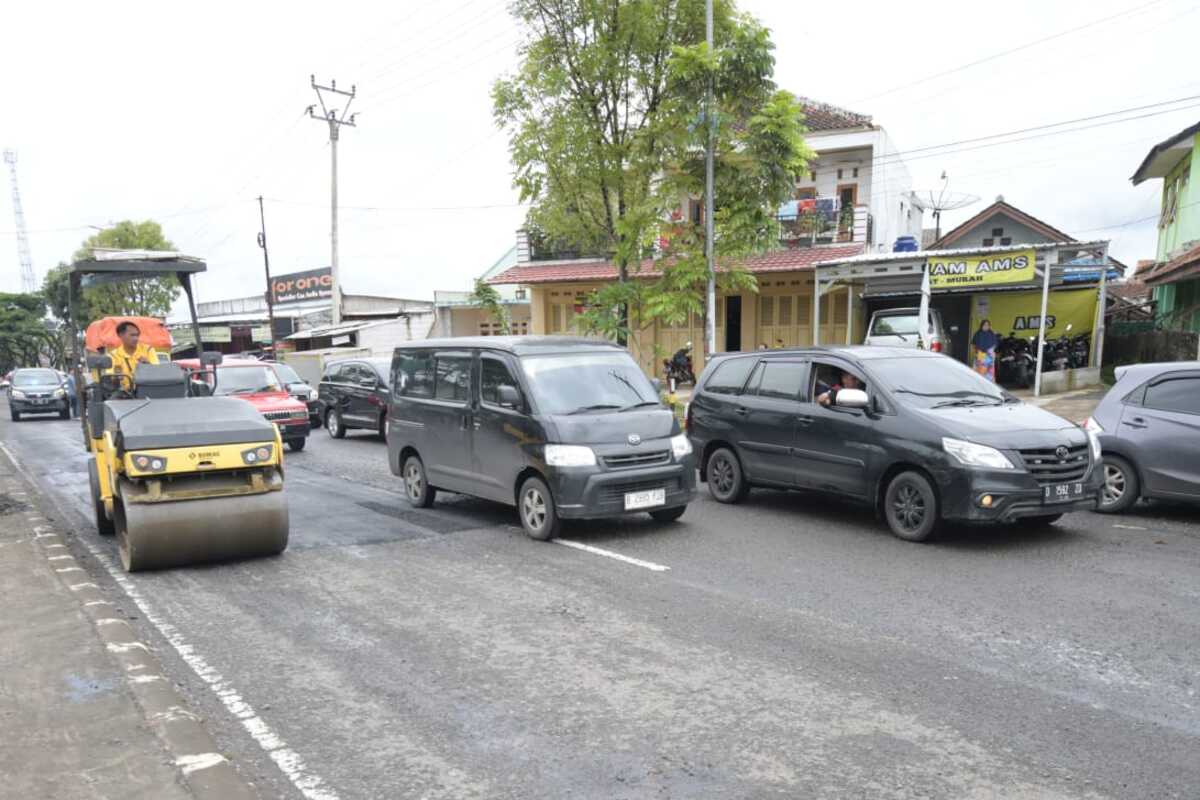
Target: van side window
x,y
331,372
825,376
414,374
781,380
453,381
729,377
1175,394
493,374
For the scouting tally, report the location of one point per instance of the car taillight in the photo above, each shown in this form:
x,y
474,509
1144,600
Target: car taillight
x,y
936,346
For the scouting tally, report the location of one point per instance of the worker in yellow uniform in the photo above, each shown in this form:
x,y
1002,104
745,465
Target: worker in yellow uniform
x,y
126,357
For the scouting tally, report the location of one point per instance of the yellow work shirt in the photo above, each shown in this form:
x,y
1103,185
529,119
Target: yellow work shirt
x,y
126,363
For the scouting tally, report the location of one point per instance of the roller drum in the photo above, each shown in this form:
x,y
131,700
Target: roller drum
x,y
171,534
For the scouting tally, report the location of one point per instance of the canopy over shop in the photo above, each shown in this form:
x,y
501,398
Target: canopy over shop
x,y
1029,290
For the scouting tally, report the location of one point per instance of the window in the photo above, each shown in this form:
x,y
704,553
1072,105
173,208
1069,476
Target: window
x,y
988,242
781,379
855,173
825,376
1176,394
413,373
812,176
839,174
1006,240
807,193
332,373
730,376
900,324
493,374
453,378
997,231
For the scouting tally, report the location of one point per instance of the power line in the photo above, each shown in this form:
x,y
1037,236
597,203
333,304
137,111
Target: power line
x,y
1011,51
398,209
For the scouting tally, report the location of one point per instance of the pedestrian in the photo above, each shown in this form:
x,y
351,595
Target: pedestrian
x,y
985,342
74,399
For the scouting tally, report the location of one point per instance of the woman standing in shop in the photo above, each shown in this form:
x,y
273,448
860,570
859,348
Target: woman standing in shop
x,y
985,342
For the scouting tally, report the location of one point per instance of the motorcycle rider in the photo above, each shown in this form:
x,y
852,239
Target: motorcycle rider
x,y
679,361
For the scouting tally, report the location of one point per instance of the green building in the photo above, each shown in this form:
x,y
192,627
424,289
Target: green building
x,y
1175,276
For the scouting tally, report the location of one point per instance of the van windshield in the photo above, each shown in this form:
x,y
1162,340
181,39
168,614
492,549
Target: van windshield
x,y
937,382
895,324
587,383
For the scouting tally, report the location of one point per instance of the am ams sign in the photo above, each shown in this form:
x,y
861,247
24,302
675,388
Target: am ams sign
x,y
984,270
313,284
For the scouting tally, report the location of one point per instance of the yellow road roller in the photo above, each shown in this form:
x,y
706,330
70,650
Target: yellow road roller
x,y
181,477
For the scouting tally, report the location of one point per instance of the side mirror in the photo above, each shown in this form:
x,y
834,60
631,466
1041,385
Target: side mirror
x,y
852,398
99,362
211,358
508,396
657,384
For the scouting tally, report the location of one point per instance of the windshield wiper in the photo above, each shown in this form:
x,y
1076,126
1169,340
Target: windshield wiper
x,y
597,407
964,401
642,404
247,390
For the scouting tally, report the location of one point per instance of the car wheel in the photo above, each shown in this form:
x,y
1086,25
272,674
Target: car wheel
x,y
911,507
65,413
1041,521
668,514
296,445
535,504
416,485
383,426
726,482
1121,487
104,525
333,424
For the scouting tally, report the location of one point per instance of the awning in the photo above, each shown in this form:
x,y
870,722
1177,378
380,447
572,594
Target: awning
x,y
329,330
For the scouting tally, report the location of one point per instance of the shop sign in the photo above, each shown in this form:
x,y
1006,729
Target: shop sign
x,y
313,284
1019,313
261,334
955,272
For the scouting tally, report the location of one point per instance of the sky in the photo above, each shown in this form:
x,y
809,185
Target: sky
x,y
186,113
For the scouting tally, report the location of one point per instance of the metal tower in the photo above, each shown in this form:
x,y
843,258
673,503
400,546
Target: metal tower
x,y
28,282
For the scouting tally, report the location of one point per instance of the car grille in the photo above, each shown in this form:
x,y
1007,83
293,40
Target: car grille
x,y
626,460
1047,467
279,416
617,491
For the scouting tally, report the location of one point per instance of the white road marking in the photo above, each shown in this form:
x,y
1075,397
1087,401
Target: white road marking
x,y
310,784
69,569
58,558
145,678
125,647
75,587
587,548
1128,527
190,764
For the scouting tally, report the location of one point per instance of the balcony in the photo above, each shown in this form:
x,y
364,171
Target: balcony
x,y
822,220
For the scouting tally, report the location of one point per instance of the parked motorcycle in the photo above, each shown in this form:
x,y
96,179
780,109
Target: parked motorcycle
x,y
678,368
1016,363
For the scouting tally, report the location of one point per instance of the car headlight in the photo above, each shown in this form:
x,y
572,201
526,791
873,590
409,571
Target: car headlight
x,y
60,392
976,455
17,394
680,446
569,455
1094,429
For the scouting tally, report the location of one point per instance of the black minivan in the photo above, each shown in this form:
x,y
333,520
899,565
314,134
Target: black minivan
x,y
354,394
562,428
915,434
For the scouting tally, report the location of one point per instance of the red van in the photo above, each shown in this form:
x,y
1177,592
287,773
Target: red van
x,y
259,384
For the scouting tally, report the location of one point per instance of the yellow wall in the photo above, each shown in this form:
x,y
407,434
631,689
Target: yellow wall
x,y
784,299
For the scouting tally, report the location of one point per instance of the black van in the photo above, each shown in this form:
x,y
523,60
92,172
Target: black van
x,y
917,435
562,428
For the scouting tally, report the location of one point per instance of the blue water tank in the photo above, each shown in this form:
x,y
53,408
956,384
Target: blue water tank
x,y
906,244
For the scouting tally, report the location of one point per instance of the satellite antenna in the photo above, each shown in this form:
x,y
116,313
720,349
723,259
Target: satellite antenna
x,y
939,200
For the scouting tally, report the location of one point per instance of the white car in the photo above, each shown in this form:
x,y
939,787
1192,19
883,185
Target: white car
x,y
899,327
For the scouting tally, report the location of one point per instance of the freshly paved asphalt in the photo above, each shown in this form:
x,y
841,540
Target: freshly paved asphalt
x,y
793,648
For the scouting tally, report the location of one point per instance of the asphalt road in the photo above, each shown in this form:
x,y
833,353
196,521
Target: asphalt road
x,y
791,649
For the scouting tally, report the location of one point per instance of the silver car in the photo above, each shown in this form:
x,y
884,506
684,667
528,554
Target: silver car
x,y
1149,429
900,327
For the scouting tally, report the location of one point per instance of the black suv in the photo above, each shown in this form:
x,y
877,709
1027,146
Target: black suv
x,y
917,435
354,394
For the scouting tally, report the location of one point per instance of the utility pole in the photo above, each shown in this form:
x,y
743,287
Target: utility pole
x,y
262,242
710,305
330,116
28,280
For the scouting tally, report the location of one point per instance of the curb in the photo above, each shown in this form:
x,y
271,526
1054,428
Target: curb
x,y
203,769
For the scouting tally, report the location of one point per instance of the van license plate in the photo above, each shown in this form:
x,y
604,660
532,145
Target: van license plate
x,y
646,499
1062,492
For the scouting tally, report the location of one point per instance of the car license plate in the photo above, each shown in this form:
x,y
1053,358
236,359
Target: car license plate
x,y
1062,492
647,499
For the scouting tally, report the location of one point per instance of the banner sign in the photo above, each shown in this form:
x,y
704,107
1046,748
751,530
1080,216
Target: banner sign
x,y
261,334
960,272
314,284
211,334
1018,313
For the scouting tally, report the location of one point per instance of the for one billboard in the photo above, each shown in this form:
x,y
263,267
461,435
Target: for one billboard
x,y
295,287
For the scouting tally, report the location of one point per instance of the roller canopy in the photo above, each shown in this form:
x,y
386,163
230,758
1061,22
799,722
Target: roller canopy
x,y
103,333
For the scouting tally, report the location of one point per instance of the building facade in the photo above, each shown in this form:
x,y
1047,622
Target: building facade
x,y
1175,276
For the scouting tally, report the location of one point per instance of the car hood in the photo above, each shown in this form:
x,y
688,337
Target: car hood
x,y
1013,426
272,401
39,387
615,427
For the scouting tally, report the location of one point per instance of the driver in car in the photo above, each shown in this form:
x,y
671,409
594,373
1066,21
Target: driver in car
x,y
827,395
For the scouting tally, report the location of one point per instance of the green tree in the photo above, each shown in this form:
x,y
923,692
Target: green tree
x,y
147,297
486,297
24,337
607,131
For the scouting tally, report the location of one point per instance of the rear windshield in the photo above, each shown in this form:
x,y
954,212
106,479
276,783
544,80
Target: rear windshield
x,y
35,377
593,383
936,382
892,324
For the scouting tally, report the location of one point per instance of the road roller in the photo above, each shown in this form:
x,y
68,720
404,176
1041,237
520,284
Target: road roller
x,y
177,475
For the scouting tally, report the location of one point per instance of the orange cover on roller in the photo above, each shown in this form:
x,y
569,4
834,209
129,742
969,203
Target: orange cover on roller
x,y
103,333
